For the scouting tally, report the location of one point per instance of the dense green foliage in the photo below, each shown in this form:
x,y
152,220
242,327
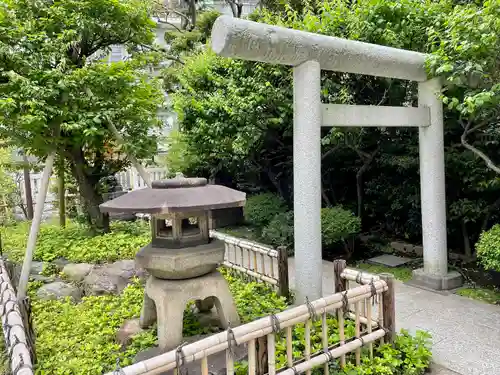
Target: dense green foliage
x,y
409,355
8,188
260,209
279,231
488,248
75,242
338,225
80,339
235,116
57,94
67,333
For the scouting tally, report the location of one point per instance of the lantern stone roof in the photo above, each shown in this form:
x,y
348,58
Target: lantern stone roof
x,y
178,194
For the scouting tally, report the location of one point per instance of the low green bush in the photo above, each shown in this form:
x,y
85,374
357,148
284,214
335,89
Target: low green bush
x,y
79,339
75,243
488,248
338,224
260,209
279,232
408,355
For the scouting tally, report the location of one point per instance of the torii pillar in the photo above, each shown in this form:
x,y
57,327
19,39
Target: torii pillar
x,y
308,53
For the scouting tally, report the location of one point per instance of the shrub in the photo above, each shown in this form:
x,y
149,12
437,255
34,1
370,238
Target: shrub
x,y
75,243
279,232
488,248
409,355
338,224
262,208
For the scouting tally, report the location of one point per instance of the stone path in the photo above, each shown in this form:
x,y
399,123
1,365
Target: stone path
x,y
465,333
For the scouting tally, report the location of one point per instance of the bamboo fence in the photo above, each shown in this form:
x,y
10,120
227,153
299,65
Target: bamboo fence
x,y
260,336
16,326
257,261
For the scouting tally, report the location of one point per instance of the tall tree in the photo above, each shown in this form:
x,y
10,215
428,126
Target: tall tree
x,y
56,92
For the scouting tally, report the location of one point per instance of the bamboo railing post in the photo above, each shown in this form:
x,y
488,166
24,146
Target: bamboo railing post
x,y
262,361
251,358
389,307
204,366
289,347
339,265
307,338
369,325
358,330
324,339
271,353
283,286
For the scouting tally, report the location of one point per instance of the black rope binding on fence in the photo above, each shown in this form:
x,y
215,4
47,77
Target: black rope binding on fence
x,y
21,365
359,277
328,354
345,302
360,338
231,341
312,312
275,323
294,370
374,292
179,361
118,369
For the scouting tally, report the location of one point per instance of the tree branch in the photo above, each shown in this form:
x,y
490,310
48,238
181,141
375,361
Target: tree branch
x,y
170,57
489,163
329,152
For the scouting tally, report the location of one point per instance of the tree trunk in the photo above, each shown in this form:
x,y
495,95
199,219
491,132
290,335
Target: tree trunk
x,y
27,188
88,187
465,235
192,13
359,192
62,199
359,182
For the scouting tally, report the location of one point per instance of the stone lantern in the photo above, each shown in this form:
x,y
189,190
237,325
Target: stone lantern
x,y
181,259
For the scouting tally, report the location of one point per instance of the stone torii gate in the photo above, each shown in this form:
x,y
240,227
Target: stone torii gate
x,y
308,53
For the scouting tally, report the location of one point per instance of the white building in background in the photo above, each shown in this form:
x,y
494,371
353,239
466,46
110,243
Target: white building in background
x,y
119,52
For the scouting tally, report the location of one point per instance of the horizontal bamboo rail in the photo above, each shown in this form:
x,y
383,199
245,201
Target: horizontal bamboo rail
x,y
322,358
246,271
258,261
254,246
358,276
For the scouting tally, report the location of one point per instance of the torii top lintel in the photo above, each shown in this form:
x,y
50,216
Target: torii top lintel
x,y
248,40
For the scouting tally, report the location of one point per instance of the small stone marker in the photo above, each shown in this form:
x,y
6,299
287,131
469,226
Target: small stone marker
x,y
389,260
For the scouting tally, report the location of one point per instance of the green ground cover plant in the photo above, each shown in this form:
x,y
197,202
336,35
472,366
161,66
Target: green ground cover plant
x,y
481,294
76,243
80,339
400,273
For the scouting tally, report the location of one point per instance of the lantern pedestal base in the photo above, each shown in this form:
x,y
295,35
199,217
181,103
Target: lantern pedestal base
x,y
166,300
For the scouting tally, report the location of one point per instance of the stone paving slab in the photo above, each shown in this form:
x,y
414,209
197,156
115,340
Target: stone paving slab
x,y
466,333
389,260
